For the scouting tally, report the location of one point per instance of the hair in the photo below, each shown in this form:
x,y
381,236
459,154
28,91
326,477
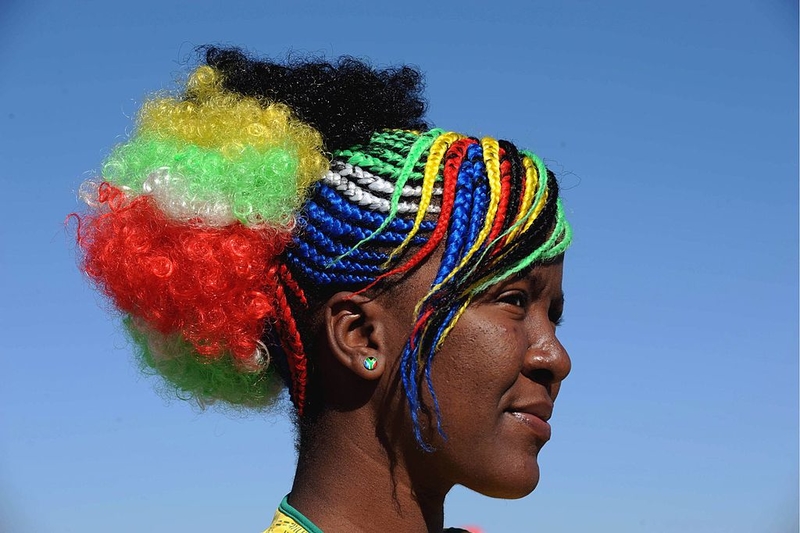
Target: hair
x,y
262,188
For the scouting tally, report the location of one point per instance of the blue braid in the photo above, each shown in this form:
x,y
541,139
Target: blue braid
x,y
473,172
328,263
344,209
480,201
429,364
408,373
323,278
338,228
476,173
459,219
318,239
330,222
479,204
469,212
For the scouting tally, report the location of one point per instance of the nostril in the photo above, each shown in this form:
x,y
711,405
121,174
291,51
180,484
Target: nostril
x,y
542,376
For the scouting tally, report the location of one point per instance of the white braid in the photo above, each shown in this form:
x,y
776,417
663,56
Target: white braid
x,y
376,183
338,179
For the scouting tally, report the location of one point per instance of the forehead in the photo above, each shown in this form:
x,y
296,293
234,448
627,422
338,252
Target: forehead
x,y
406,293
538,279
540,272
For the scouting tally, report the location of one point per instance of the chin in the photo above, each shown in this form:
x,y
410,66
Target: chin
x,y
508,485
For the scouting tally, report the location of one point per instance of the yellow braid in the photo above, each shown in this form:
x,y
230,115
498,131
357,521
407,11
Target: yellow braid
x,y
452,323
491,157
539,185
435,156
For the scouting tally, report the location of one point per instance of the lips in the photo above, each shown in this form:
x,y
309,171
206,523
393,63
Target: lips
x,y
534,417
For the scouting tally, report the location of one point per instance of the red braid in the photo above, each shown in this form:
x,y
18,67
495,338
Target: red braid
x,y
289,335
502,206
453,158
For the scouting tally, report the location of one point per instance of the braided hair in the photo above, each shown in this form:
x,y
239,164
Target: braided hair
x,y
263,188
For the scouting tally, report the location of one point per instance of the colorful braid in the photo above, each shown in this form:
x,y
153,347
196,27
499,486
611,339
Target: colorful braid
x,y
458,181
478,252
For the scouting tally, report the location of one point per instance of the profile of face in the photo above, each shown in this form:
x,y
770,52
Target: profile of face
x,y
496,377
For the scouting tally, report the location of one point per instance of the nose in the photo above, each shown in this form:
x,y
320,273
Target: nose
x,y
547,363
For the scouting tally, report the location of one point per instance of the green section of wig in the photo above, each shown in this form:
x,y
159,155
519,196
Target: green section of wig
x,y
260,186
205,381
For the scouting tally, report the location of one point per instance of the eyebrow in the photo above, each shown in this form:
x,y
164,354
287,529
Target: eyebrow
x,y
538,264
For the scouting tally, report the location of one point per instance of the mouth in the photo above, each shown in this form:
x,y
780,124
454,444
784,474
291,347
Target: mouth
x,y
535,420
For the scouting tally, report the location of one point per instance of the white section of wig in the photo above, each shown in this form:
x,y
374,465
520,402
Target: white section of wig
x,y
173,196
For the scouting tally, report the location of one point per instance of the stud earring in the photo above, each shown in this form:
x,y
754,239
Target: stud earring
x,y
370,362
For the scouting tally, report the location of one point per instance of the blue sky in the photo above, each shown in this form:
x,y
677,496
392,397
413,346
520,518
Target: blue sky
x,y
674,129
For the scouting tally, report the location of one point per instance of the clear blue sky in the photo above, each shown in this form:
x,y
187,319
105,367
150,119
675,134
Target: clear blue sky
x,y
674,128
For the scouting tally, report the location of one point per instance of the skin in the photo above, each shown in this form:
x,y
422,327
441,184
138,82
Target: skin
x,y
496,377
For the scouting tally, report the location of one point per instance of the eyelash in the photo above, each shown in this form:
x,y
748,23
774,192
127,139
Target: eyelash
x,y
520,299
515,298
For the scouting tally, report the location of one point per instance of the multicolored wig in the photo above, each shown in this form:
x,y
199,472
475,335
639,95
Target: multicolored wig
x,y
263,188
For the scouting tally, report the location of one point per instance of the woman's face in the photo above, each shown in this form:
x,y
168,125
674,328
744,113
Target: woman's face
x,y
496,377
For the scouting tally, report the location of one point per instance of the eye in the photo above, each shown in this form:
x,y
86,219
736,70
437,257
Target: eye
x,y
515,298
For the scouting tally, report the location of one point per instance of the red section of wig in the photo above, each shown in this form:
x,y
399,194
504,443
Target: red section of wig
x,y
212,285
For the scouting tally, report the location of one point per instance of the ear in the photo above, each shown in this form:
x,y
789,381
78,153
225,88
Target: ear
x,y
356,334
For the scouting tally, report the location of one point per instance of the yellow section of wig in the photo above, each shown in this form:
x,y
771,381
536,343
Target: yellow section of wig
x,y
212,118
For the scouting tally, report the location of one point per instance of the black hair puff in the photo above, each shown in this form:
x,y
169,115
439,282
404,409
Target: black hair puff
x,y
346,100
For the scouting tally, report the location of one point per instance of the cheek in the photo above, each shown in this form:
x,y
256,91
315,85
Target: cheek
x,y
479,358
479,366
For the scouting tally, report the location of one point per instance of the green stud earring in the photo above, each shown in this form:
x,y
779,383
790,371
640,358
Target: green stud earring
x,y
370,362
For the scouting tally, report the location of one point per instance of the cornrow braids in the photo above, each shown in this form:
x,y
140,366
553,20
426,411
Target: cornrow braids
x,y
469,179
263,184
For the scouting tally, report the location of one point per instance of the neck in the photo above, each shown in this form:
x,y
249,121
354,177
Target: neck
x,y
346,481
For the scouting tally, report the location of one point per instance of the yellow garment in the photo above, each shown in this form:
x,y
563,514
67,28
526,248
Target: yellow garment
x,y
282,523
289,520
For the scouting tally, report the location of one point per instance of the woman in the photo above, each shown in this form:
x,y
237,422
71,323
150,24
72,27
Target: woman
x,y
299,224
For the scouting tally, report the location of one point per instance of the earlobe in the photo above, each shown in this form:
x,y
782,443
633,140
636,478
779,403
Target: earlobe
x,y
355,334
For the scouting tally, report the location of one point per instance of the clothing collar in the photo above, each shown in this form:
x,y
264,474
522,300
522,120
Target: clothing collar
x,y
297,516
